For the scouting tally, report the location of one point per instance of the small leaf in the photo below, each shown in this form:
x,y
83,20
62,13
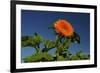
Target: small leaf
x,y
60,49
47,56
74,57
26,41
60,58
34,58
37,39
82,56
24,38
49,44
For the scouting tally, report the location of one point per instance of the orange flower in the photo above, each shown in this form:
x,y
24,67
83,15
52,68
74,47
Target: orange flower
x,y
64,28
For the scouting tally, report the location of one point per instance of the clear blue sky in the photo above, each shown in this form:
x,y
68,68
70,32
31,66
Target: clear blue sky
x,y
39,21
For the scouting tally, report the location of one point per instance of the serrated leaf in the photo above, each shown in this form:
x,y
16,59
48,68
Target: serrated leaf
x,y
60,58
60,48
74,57
34,58
81,55
49,44
32,41
26,41
47,56
37,39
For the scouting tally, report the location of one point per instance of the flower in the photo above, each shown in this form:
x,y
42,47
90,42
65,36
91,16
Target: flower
x,y
64,28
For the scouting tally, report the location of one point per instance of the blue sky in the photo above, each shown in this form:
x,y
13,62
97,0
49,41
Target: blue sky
x,y
39,21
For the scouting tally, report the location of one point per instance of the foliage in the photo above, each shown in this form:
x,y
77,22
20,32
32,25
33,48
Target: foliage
x,y
61,44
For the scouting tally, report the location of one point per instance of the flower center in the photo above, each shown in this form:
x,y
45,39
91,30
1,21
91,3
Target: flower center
x,y
64,29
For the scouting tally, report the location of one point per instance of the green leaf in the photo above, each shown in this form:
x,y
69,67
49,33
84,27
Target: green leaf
x,y
80,56
60,58
26,41
32,41
48,44
40,56
74,57
34,58
47,56
37,39
25,38
60,49
67,54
